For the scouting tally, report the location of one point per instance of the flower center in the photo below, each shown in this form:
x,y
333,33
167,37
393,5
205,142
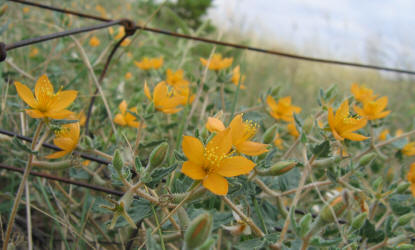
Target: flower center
x,y
212,159
250,129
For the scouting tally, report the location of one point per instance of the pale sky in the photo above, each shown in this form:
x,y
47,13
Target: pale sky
x,y
352,30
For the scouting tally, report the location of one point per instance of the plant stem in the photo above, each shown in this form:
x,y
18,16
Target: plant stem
x,y
158,225
235,100
245,218
21,188
258,211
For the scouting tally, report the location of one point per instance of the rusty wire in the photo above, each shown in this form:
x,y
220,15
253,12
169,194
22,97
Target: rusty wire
x,y
227,44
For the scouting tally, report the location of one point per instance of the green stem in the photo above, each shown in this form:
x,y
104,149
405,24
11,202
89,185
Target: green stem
x,y
235,100
258,211
159,227
58,165
21,188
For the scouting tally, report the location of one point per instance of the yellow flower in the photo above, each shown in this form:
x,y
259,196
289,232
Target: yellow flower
x,y
94,41
47,103
164,100
409,149
33,52
128,76
373,110
361,93
411,178
66,139
342,125
180,85
278,141
383,135
283,109
236,77
292,129
217,62
125,118
242,132
214,162
149,63
120,34
26,10
173,78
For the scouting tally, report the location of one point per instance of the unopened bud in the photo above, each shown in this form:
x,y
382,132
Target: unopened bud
x,y
269,134
275,90
117,161
366,159
198,231
158,156
183,217
402,187
207,245
378,183
278,168
404,247
358,222
305,224
338,205
405,219
326,162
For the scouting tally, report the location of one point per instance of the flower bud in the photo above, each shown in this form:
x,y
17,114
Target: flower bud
x,y
275,90
269,134
278,168
183,217
117,161
402,187
405,219
366,159
405,247
305,224
378,184
158,156
338,205
198,231
358,222
326,162
207,245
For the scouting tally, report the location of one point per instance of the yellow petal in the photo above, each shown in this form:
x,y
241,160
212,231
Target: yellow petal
x,y
220,144
61,114
238,128
64,143
354,136
26,94
214,125
271,102
216,184
382,114
34,113
382,103
63,99
359,110
251,148
160,93
193,149
147,91
123,106
342,112
235,166
43,89
119,119
193,170
56,155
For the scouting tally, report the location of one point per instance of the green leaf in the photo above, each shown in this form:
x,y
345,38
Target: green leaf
x,y
158,175
179,156
319,242
256,243
61,122
321,150
368,231
23,146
